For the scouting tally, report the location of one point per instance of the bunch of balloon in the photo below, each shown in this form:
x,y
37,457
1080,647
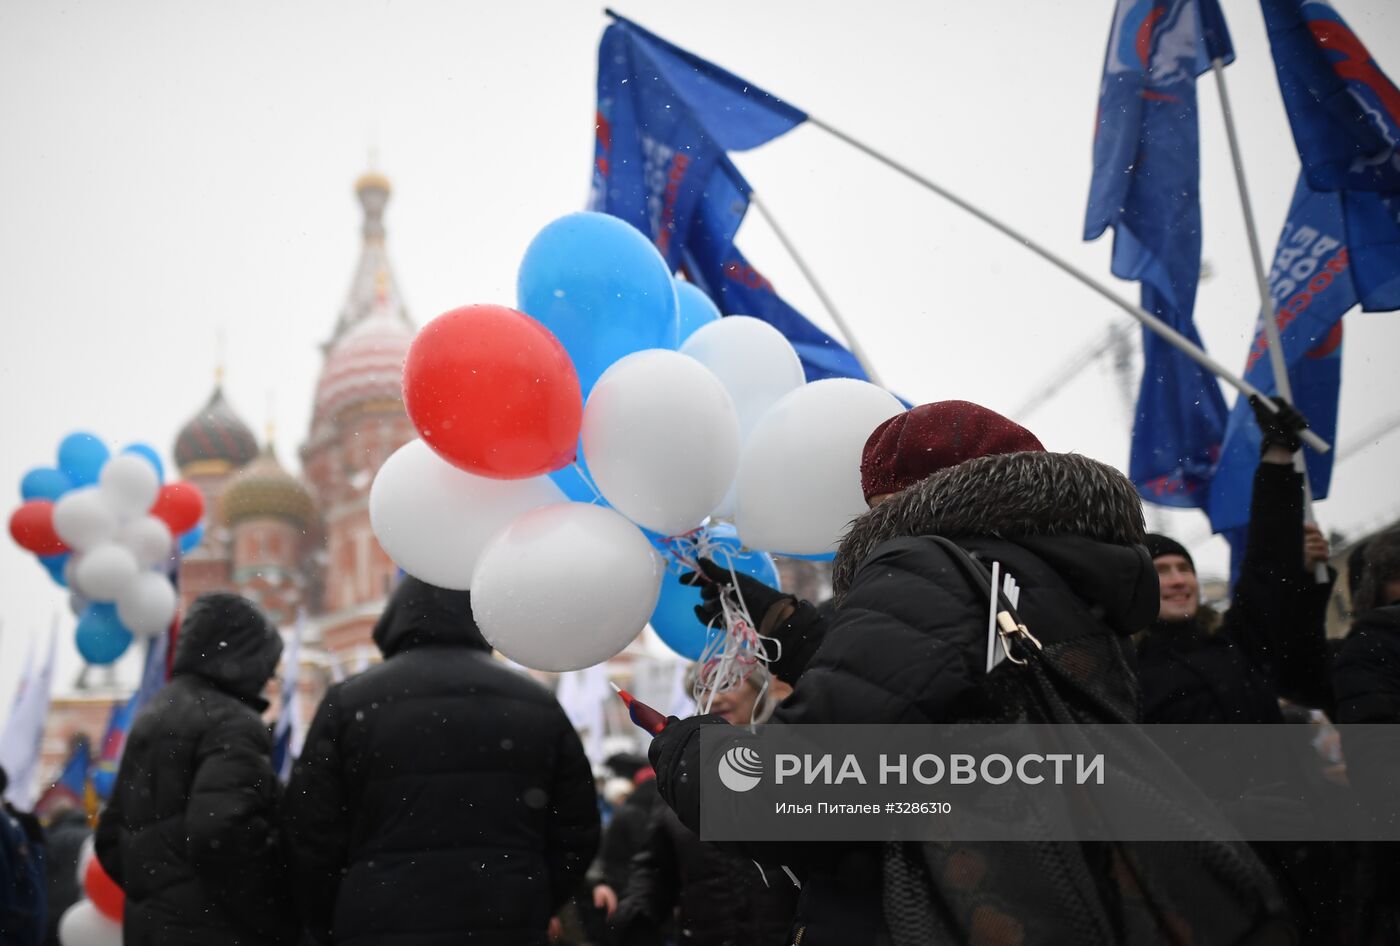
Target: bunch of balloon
x,y
614,400
106,527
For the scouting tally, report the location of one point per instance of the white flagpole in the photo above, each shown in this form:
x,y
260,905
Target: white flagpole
x,y
1266,300
856,349
1147,319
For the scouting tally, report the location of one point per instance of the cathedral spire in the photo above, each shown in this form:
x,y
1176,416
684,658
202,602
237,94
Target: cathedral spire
x,y
373,291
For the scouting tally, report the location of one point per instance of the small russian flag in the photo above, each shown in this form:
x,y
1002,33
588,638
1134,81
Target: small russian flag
x,y
643,715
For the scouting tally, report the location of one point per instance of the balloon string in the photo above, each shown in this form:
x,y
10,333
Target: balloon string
x,y
588,481
729,657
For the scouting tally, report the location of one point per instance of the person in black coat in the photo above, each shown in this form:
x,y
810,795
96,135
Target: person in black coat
x,y
441,797
907,642
1198,667
190,833
1367,679
718,897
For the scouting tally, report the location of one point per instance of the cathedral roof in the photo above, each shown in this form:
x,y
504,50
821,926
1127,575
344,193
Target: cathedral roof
x,y
364,367
264,490
216,438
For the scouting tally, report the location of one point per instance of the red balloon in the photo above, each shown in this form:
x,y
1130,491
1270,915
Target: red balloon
x,y
180,505
31,527
493,392
103,891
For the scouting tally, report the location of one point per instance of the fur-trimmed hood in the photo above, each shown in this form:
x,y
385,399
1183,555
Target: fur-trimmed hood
x,y
1008,496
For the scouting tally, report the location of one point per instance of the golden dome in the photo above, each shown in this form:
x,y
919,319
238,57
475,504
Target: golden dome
x,y
372,179
264,490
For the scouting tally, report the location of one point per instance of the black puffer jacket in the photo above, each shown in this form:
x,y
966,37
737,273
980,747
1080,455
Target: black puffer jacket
x,y
190,833
1367,682
441,797
722,898
1271,643
908,644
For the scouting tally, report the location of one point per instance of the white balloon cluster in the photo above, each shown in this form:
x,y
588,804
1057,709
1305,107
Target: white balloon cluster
x,y
120,551
726,427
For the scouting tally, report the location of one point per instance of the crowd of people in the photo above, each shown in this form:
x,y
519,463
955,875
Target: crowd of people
x,y
442,797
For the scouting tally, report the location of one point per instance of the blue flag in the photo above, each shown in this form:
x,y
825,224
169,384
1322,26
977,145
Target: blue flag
x,y
1345,113
665,124
1145,186
1340,246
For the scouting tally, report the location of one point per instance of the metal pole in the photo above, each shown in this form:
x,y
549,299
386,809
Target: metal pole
x,y
811,278
1171,335
1266,299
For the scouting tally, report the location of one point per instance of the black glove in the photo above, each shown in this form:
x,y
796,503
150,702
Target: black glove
x,y
757,596
1278,429
674,753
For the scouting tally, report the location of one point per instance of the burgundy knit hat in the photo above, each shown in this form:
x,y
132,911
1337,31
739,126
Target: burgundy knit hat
x,y
932,437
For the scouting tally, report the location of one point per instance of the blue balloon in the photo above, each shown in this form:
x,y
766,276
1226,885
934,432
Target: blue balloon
x,y
674,618
44,482
189,540
55,565
102,638
81,457
819,557
696,309
600,286
149,454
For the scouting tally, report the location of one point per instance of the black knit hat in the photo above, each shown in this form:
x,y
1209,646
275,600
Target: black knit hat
x,y
1159,545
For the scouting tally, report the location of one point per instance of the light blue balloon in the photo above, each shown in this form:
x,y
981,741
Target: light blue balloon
x,y
102,638
820,557
44,482
191,539
81,457
149,454
601,287
55,564
674,618
696,309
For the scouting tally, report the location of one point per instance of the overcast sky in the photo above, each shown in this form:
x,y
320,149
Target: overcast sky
x,y
173,169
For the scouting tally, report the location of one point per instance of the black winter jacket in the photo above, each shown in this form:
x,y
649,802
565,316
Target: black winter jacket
x,y
1367,683
441,797
1271,642
190,833
722,898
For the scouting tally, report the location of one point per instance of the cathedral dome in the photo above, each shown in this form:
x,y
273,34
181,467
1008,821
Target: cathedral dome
x,y
263,490
364,367
215,439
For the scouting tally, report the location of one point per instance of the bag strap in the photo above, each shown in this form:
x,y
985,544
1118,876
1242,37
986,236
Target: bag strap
x,y
1009,624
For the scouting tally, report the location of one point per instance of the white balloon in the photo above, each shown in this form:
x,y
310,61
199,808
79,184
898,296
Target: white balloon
x,y
84,518
433,519
566,586
104,572
752,359
84,925
147,538
147,604
130,483
799,478
661,439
